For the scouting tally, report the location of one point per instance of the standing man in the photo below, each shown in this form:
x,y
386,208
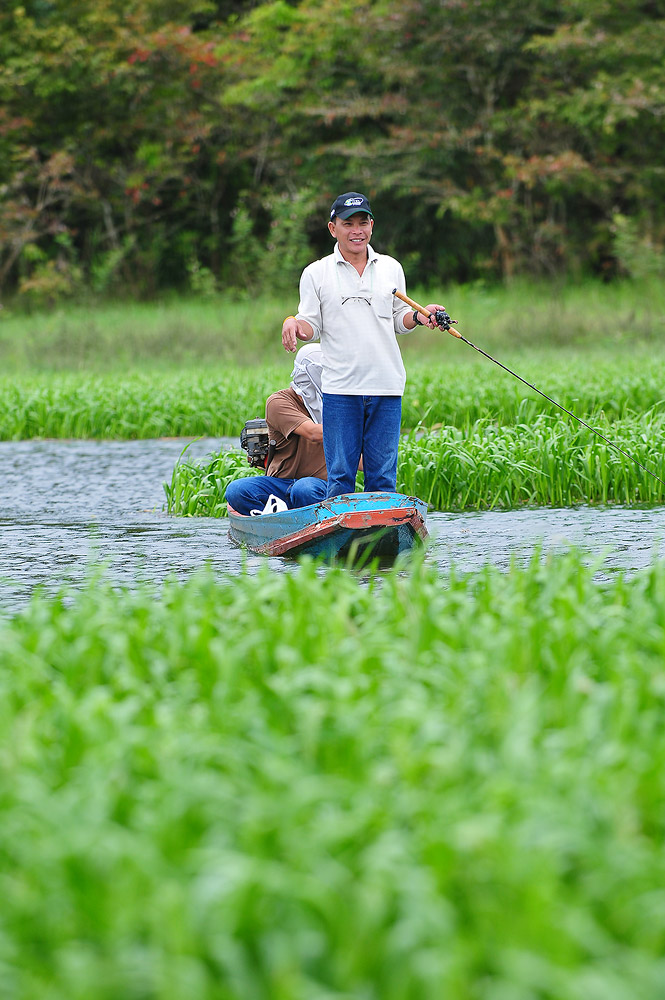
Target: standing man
x,y
347,302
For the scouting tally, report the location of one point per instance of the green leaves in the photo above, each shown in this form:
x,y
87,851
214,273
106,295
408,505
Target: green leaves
x,y
293,785
524,127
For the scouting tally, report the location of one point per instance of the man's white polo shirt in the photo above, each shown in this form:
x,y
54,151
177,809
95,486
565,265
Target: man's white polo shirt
x,y
356,318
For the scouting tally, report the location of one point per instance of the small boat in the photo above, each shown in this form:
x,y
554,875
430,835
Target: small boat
x,y
355,524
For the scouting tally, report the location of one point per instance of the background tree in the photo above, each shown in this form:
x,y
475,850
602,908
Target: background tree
x,y
150,144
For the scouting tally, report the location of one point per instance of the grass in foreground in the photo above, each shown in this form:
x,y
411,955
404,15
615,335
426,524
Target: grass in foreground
x,y
298,785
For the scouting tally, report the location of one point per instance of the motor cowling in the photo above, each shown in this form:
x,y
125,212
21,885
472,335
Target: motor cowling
x,y
255,440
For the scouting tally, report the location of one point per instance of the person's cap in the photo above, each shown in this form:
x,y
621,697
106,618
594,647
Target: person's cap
x,y
348,204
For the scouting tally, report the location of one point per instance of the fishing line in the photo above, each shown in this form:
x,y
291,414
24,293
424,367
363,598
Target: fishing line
x,y
444,322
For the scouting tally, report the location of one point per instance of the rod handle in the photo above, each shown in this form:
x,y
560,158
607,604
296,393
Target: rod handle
x,y
421,309
411,302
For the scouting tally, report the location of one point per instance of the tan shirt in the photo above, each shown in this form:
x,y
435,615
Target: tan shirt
x,y
294,457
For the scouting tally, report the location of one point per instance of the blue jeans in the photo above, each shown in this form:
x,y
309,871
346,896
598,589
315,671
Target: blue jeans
x,y
355,425
252,493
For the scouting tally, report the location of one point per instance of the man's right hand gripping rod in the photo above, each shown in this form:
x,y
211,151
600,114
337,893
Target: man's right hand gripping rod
x,y
443,320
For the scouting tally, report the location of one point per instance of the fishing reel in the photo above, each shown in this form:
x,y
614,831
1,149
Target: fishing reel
x,y
255,440
443,320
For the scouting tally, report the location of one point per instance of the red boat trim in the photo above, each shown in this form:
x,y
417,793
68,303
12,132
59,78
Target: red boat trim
x,y
355,520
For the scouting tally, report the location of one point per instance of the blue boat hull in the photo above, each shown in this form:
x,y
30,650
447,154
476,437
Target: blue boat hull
x,y
356,524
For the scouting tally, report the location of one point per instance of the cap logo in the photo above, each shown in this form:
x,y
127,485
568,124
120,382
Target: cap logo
x,y
354,201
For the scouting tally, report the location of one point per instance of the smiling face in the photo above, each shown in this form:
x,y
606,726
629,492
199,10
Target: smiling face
x,y
352,234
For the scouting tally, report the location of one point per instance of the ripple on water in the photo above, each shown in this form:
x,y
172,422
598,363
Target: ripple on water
x,y
65,505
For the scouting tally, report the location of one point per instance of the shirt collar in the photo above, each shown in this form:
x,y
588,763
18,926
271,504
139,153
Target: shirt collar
x,y
371,254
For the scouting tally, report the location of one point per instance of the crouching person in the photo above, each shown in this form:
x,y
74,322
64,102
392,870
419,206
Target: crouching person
x,y
296,473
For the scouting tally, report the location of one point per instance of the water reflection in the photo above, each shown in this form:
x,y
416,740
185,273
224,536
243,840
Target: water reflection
x,y
66,504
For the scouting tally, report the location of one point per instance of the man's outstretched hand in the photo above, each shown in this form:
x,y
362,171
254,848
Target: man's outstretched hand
x,y
294,330
290,333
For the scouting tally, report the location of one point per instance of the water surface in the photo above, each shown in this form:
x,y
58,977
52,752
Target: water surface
x,y
65,505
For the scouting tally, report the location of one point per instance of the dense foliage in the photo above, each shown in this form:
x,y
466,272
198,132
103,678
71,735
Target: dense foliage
x,y
216,401
479,443
294,785
546,462
151,144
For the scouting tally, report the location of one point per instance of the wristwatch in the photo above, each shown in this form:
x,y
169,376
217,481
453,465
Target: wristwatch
x,y
416,320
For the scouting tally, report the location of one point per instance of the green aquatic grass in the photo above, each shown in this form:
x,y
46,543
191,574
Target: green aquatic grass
x,y
198,488
187,403
312,785
471,388
217,400
552,461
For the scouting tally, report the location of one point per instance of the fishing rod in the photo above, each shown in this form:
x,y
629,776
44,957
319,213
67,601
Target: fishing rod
x,y
444,322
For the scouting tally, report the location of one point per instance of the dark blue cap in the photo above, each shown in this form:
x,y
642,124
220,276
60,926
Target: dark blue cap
x,y
348,204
